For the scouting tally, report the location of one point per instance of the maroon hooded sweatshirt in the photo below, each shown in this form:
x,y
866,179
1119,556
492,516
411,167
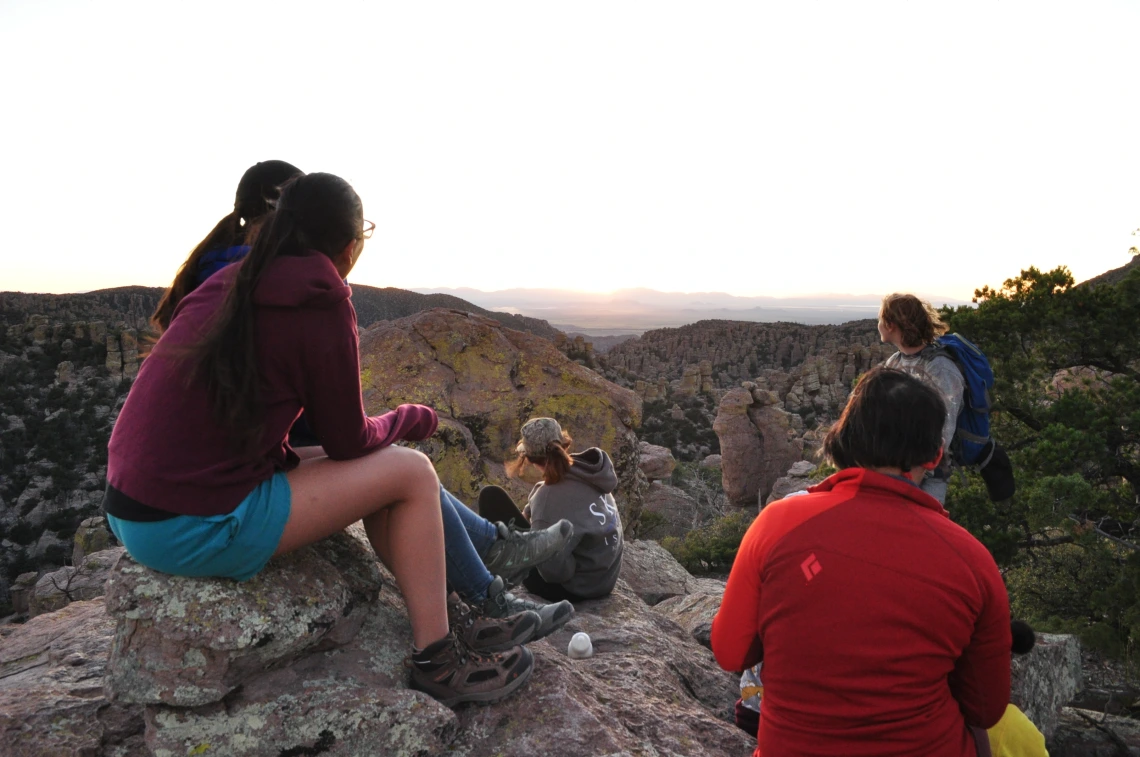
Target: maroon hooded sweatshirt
x,y
168,452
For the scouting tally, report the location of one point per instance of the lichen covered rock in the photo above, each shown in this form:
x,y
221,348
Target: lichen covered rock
x,y
485,381
1047,679
92,536
190,642
351,700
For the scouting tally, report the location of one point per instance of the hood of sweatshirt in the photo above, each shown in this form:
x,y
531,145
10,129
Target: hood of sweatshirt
x,y
307,280
595,468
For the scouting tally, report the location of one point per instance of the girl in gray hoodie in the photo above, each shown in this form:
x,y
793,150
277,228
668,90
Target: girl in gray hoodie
x,y
578,487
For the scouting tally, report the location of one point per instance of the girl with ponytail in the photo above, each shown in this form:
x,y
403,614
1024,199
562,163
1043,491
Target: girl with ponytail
x,y
577,487
202,479
226,243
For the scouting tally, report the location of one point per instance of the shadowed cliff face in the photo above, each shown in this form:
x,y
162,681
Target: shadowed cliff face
x,y
485,381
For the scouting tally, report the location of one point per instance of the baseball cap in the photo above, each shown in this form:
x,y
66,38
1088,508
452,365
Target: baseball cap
x,y
537,435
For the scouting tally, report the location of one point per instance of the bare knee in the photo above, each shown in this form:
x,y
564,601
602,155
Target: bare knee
x,y
413,469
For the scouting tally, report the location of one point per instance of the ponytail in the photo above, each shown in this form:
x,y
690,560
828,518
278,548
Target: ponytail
x,y
258,189
186,280
555,463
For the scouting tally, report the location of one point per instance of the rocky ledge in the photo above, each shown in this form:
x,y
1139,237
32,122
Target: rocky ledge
x,y
308,658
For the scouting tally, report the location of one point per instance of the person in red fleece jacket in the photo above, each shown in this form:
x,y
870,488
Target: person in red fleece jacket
x,y
883,626
202,480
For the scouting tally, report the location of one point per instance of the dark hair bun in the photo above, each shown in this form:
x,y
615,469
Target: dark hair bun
x,y
1023,636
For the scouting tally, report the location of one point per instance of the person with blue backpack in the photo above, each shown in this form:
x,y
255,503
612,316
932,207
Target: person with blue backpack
x,y
960,372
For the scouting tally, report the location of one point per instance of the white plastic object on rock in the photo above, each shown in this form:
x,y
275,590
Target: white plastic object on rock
x,y
580,646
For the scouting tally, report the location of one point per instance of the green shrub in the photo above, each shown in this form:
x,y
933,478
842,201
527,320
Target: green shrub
x,y
56,554
25,533
712,547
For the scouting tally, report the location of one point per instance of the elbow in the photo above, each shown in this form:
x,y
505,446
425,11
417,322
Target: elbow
x,y
728,652
990,715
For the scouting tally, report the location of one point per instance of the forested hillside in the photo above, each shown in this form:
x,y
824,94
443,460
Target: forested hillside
x,y
1067,407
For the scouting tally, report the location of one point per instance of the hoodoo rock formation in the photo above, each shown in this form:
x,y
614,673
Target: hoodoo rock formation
x,y
758,443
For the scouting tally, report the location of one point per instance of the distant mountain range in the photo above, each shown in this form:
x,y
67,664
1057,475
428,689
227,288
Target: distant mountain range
x,y
638,310
132,305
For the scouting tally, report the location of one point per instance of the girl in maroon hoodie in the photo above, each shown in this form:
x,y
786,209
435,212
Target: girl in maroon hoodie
x,y
201,478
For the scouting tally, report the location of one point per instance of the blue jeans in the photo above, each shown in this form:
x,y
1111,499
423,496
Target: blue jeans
x,y
466,537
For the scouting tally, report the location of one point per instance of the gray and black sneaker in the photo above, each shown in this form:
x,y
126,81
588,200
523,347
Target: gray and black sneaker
x,y
502,604
515,552
452,673
484,634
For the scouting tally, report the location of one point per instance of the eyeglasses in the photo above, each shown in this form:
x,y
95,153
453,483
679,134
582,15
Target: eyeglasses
x,y
369,227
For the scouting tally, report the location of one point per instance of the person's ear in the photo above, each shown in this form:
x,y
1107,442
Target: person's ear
x,y
346,255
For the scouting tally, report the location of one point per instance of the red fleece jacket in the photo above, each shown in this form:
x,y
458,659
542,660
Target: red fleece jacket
x,y
168,452
883,626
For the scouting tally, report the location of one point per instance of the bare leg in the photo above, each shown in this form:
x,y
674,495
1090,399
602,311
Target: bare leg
x,y
396,485
308,453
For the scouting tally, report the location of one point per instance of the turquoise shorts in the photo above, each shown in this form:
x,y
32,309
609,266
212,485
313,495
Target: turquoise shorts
x,y
235,545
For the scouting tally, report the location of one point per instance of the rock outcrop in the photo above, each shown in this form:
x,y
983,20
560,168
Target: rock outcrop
x,y
798,478
758,443
667,511
486,381
657,463
51,688
92,536
262,674
1046,680
73,583
190,642
654,575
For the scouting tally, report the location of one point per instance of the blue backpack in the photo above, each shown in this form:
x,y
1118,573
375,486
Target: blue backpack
x,y
972,437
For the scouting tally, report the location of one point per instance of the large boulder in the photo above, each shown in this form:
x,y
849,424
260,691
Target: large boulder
x,y
70,584
51,688
657,463
667,511
653,574
485,381
695,612
798,478
350,700
190,642
758,443
1046,680
92,536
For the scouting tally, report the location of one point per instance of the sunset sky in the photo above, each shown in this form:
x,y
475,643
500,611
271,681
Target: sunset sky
x,y
751,148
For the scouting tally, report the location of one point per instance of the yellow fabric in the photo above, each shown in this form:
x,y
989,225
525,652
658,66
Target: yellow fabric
x,y
1016,736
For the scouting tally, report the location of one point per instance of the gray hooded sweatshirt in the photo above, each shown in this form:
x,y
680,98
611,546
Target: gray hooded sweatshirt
x,y
588,566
